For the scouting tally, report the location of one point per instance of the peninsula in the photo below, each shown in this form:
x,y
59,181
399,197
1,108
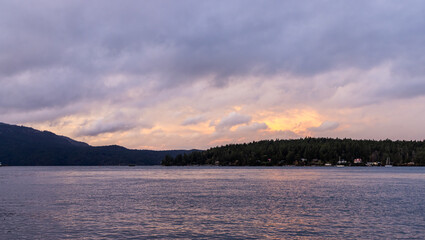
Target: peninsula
x,y
308,152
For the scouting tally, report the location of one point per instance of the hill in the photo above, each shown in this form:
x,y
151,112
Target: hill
x,y
306,152
24,146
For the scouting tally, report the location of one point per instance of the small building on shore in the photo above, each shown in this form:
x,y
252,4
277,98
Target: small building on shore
x,y
358,161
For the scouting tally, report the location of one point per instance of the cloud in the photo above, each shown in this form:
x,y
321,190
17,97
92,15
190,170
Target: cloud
x,y
117,122
325,126
193,120
206,57
100,128
286,134
294,37
253,127
233,119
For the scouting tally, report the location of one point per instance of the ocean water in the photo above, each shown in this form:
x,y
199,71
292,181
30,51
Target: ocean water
x,y
212,203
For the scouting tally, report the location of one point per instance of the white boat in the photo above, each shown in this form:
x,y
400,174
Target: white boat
x,y
388,163
341,163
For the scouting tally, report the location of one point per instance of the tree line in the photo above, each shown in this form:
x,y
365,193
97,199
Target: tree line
x,y
306,152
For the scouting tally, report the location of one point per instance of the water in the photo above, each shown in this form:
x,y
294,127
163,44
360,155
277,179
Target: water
x,y
211,202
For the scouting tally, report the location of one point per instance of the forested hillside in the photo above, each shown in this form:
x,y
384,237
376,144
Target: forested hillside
x,y
23,146
307,151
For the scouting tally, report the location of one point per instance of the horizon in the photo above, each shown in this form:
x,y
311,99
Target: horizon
x,y
160,75
254,141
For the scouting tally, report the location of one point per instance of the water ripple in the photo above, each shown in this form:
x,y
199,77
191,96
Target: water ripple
x,y
211,203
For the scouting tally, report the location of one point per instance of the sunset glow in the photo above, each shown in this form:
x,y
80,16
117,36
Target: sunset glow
x,y
193,75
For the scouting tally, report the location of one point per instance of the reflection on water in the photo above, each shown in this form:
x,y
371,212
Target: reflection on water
x,y
211,202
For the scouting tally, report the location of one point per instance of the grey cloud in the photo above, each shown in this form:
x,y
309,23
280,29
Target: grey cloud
x,y
401,89
117,122
325,126
197,38
253,127
233,119
180,42
99,128
41,115
46,89
193,120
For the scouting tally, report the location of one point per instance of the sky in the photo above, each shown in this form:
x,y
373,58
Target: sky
x,y
197,74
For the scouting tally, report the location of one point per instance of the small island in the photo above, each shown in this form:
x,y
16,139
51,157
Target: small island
x,y
308,152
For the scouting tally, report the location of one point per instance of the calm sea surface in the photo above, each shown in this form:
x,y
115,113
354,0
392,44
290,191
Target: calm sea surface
x,y
212,202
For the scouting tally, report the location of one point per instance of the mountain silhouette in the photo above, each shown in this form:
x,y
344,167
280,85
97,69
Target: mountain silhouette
x,y
24,146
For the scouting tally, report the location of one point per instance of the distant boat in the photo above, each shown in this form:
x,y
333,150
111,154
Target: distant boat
x,y
341,163
131,165
388,163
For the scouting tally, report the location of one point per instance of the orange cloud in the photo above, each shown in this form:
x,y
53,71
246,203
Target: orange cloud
x,y
296,120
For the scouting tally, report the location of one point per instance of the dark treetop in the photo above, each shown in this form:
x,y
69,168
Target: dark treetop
x,y
307,151
23,146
